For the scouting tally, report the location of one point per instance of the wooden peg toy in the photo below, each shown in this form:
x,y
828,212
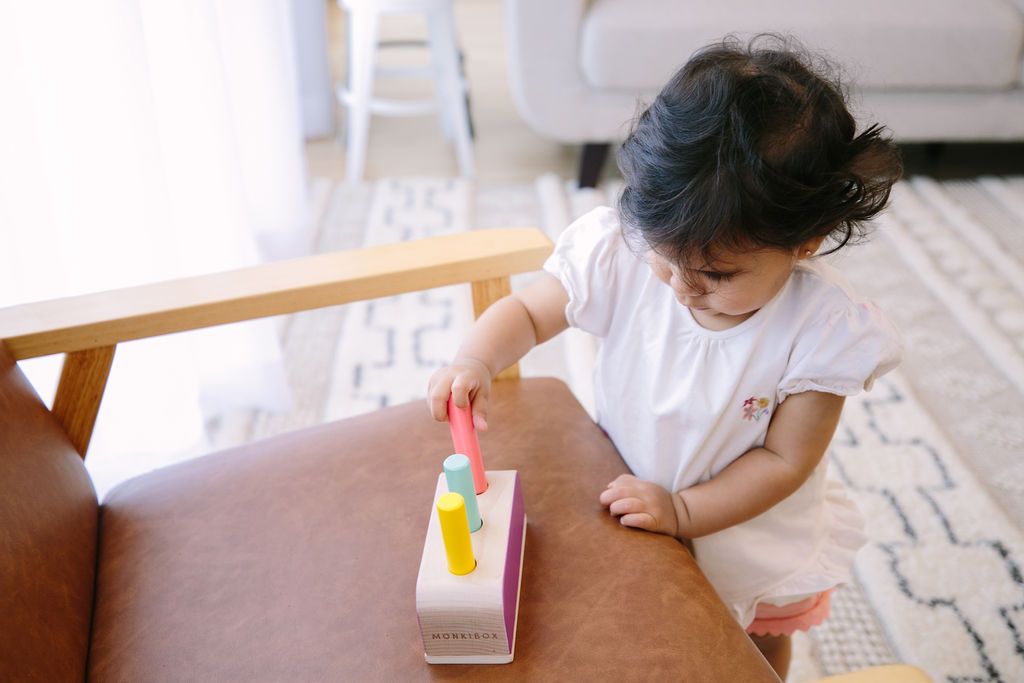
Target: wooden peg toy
x,y
467,591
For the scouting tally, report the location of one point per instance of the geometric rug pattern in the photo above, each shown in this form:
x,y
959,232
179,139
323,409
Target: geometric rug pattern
x,y
942,569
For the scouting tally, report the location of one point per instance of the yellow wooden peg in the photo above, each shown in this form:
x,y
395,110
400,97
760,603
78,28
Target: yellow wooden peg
x,y
451,512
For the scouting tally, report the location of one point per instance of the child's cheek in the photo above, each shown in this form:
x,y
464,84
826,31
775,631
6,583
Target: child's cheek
x,y
730,301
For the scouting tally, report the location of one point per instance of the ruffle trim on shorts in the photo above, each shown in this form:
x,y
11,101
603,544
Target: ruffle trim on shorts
x,y
832,565
768,625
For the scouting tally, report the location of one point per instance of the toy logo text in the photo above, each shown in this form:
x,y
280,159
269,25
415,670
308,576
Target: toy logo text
x,y
464,636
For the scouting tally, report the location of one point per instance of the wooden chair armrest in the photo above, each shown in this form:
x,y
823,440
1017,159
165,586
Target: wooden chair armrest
x,y
108,318
88,328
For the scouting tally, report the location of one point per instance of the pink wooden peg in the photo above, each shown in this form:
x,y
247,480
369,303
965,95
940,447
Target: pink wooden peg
x,y
464,437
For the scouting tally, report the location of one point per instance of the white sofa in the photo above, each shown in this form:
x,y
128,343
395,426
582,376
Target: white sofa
x,y
932,70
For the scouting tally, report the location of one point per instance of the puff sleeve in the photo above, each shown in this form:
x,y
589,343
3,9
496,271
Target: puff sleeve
x,y
842,352
585,262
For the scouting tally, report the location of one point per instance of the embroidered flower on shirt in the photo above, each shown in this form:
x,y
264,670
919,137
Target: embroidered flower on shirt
x,y
755,408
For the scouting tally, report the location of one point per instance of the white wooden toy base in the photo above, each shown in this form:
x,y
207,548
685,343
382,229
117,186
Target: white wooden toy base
x,y
472,619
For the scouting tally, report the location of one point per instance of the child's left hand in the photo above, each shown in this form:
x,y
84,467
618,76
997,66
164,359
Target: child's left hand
x,y
641,504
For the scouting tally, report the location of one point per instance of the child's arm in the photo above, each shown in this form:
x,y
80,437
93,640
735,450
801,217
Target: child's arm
x,y
798,436
502,335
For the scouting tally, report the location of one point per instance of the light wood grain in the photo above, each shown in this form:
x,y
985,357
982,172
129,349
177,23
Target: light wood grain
x,y
108,318
485,293
892,673
80,392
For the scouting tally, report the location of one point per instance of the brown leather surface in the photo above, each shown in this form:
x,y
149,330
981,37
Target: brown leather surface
x,y
48,517
295,559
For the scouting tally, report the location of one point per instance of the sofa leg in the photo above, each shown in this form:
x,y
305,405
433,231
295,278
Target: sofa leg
x,y
591,162
933,154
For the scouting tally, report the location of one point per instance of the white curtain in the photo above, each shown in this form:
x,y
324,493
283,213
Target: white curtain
x,y
144,140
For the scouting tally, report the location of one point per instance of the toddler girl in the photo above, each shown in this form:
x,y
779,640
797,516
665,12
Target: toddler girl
x,y
727,349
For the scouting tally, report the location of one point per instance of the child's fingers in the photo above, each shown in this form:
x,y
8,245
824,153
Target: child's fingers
x,y
610,495
437,396
462,387
438,409
639,520
625,506
618,491
439,406
480,411
622,479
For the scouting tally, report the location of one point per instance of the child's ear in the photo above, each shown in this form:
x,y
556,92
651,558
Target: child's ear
x,y
810,247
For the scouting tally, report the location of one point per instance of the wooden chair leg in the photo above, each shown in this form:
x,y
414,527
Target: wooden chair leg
x,y
485,293
591,163
80,392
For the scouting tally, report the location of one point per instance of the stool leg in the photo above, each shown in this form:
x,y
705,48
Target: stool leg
x,y
362,53
469,108
442,39
441,85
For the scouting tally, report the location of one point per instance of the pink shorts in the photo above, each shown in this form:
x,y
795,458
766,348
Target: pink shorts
x,y
772,620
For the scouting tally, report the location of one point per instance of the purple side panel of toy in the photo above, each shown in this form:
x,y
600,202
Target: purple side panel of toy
x,y
512,561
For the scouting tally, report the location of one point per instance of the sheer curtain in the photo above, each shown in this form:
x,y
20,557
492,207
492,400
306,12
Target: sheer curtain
x,y
142,140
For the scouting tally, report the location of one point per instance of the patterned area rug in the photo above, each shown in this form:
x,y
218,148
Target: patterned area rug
x,y
933,455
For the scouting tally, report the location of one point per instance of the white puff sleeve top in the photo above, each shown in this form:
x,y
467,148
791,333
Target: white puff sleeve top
x,y
681,402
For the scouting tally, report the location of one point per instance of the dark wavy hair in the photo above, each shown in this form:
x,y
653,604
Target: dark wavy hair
x,y
752,146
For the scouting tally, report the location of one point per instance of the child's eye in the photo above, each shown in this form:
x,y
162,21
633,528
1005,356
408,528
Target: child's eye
x,y
716,276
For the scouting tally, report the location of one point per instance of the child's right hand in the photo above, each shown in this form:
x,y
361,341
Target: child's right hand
x,y
467,380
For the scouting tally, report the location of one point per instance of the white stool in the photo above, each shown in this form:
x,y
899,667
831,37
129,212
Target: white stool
x,y
450,103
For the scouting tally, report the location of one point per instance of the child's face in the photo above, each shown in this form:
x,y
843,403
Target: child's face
x,y
730,285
